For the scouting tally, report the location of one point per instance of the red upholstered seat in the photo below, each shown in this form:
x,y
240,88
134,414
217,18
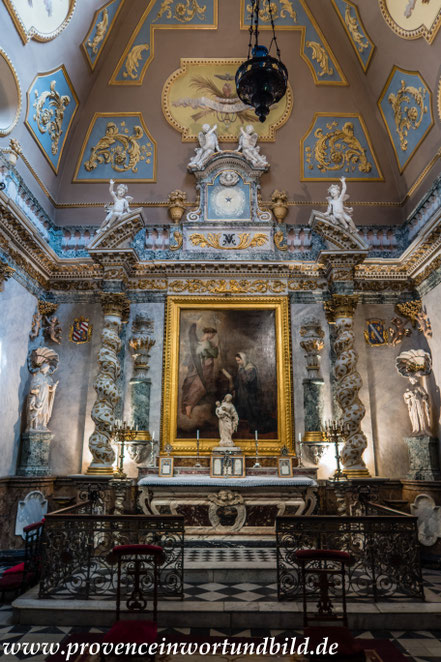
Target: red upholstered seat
x,y
324,555
132,632
15,568
35,525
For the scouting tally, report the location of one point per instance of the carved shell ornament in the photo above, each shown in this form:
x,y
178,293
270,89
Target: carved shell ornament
x,y
40,356
414,363
229,178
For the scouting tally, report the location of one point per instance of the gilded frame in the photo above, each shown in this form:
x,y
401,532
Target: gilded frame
x,y
364,66
236,460
284,461
429,34
165,462
33,33
91,64
284,391
6,130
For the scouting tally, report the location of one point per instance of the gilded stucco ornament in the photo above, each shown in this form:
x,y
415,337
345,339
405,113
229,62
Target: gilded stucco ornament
x,y
133,60
213,240
183,11
408,105
417,315
279,207
362,44
100,32
50,107
176,205
123,152
338,148
320,55
5,273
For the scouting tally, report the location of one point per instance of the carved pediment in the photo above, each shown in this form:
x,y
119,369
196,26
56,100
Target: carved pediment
x,y
120,234
335,235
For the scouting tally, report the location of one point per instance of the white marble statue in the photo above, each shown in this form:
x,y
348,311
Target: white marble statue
x,y
337,212
40,401
119,208
417,401
208,145
228,420
414,364
247,145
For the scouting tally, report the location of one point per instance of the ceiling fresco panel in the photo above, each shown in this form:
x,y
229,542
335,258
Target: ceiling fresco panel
x,y
42,20
51,107
338,146
360,41
203,90
102,24
406,107
117,146
314,49
411,19
10,95
161,14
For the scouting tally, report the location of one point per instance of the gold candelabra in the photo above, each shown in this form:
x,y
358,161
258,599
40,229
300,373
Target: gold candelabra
x,y
335,433
122,434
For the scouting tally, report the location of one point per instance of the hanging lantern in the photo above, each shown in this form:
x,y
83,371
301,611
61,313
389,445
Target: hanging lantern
x,y
261,81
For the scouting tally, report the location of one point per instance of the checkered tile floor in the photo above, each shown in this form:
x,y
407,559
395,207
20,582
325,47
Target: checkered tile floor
x,y
416,646
231,556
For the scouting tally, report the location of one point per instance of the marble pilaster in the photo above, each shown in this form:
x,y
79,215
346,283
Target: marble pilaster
x,y
423,458
34,455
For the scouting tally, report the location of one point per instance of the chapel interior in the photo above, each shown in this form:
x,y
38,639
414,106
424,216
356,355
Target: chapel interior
x,y
219,331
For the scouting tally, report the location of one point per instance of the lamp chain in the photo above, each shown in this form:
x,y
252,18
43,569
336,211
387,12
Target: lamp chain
x,y
274,38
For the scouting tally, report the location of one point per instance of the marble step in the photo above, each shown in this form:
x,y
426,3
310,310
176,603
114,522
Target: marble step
x,y
29,610
230,566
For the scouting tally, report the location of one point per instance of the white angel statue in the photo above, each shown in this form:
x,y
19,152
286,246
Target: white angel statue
x,y
120,207
337,211
208,145
247,145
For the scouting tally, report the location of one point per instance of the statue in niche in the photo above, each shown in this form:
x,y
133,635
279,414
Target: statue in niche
x,y
417,401
337,212
247,145
209,144
228,420
413,364
119,208
42,362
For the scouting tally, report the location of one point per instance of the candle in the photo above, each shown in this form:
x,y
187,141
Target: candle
x,y
300,436
197,435
255,435
153,436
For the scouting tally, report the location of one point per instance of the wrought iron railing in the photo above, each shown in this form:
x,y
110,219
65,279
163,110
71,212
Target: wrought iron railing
x,y
384,547
77,546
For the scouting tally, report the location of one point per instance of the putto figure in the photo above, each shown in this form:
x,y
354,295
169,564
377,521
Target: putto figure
x,y
228,420
337,211
120,206
247,145
209,144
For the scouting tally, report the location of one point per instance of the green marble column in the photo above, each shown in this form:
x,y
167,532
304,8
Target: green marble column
x,y
140,384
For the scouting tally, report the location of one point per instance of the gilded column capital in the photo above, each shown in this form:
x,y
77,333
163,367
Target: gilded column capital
x,y
5,273
116,303
340,306
47,308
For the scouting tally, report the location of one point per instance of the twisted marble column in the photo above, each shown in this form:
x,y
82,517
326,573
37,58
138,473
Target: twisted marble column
x,y
115,309
340,311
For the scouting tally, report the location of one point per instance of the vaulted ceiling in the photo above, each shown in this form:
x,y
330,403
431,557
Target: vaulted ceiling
x,y
99,92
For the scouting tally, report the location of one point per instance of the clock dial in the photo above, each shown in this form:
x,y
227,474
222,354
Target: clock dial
x,y
228,201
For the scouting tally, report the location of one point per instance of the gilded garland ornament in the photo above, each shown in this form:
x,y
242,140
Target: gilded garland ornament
x,y
320,55
246,240
183,11
339,148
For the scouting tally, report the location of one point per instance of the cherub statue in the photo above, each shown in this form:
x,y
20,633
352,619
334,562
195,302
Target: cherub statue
x,y
120,207
52,330
337,211
208,145
247,145
36,325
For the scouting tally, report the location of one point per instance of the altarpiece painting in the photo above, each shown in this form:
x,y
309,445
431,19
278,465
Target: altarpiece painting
x,y
216,346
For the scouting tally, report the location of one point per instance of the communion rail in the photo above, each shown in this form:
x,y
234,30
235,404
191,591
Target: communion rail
x,y
76,552
383,543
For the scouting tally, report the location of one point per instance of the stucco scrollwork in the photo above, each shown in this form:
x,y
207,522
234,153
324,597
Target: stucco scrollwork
x,y
212,240
121,151
339,147
320,55
50,117
183,11
408,105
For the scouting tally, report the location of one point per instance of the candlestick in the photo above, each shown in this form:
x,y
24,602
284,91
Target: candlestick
x,y
197,435
256,441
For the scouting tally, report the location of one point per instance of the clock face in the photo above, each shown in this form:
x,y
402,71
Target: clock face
x,y
228,201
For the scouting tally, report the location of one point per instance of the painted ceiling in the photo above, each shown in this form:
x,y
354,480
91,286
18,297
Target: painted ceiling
x,y
119,90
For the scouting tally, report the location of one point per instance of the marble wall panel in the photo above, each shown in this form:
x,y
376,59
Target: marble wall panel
x,y
431,302
299,312
155,311
71,423
17,307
